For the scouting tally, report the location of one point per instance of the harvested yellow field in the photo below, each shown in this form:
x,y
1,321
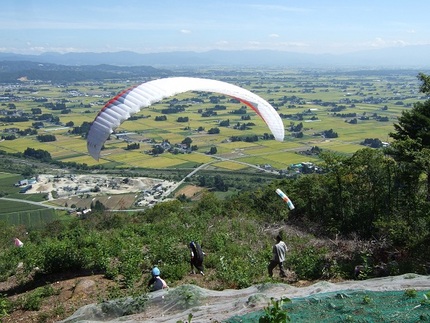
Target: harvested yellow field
x,y
197,158
153,162
84,159
21,144
230,165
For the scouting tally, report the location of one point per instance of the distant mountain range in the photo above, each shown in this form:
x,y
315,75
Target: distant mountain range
x,y
13,70
396,57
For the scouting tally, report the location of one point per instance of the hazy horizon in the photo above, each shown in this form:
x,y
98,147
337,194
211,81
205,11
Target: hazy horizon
x,y
310,27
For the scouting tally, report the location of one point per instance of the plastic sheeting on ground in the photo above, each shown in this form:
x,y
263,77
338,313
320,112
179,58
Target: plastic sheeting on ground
x,y
363,301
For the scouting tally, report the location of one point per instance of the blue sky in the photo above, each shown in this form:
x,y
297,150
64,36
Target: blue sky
x,y
308,26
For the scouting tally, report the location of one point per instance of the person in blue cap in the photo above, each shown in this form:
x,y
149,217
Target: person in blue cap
x,y
156,282
197,256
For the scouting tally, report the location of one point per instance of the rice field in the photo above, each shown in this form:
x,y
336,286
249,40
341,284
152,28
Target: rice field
x,y
297,95
229,165
154,162
19,145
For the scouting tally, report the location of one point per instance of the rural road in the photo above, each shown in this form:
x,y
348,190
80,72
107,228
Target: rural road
x,y
218,158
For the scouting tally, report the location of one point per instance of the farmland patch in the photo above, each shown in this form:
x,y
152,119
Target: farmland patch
x,y
190,191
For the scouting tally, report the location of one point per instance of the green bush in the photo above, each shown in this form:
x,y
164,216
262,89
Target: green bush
x,y
307,262
274,313
9,262
33,300
175,272
130,265
239,271
5,306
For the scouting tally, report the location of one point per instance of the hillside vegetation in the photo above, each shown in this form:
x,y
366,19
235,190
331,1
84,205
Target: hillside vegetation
x,y
346,224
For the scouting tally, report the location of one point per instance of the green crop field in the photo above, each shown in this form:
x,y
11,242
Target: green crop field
x,y
22,215
7,184
13,207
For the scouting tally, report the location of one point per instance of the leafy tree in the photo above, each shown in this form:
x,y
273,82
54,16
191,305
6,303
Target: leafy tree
x,y
82,129
425,85
330,134
27,132
28,171
214,99
161,118
224,123
296,128
157,150
49,117
187,141
369,186
8,137
36,110
212,131
219,184
412,135
353,194
132,146
43,155
98,206
202,181
267,136
37,124
372,142
183,198
182,119
46,138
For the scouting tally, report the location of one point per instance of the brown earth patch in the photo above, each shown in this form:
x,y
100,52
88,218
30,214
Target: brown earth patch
x,y
111,202
191,191
71,292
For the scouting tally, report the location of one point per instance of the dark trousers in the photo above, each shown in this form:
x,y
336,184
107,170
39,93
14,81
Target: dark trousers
x,y
198,264
272,266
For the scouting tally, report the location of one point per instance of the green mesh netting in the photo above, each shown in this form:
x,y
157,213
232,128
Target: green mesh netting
x,y
354,306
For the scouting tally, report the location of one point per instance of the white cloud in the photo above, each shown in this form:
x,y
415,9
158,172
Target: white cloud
x,y
273,36
185,31
277,8
293,44
381,43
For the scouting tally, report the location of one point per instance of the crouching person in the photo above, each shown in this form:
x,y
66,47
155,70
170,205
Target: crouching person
x,y
156,282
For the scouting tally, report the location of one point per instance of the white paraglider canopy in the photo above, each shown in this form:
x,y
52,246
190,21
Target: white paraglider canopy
x,y
132,100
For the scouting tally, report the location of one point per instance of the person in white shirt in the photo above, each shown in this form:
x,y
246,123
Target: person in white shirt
x,y
279,251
